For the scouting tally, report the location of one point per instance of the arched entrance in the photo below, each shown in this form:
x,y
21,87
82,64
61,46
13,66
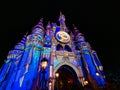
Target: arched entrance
x,y
67,79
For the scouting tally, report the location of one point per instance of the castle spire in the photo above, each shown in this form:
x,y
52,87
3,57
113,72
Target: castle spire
x,y
40,24
48,27
76,31
62,21
36,28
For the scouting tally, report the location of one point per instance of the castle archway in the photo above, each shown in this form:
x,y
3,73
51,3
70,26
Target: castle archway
x,y
67,80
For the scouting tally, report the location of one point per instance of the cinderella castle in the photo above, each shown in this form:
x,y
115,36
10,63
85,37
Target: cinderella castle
x,y
52,58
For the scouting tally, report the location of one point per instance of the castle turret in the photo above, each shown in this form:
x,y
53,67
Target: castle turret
x,y
30,62
11,65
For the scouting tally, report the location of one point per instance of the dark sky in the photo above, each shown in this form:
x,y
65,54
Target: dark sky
x,y
93,19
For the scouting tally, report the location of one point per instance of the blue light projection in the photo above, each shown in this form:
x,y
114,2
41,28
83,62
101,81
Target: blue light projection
x,y
23,69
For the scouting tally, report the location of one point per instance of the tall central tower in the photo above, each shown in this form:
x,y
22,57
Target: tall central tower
x,y
52,58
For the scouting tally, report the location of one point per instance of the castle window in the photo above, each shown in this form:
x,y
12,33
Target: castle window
x,y
59,47
67,48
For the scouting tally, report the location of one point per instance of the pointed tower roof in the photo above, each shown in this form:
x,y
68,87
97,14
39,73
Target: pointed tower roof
x,y
39,25
62,21
76,31
61,17
48,25
72,35
21,44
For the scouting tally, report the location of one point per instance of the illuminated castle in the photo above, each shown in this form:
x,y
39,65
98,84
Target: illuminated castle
x,y
52,58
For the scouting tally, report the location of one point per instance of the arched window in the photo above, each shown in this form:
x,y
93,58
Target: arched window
x,y
59,47
67,48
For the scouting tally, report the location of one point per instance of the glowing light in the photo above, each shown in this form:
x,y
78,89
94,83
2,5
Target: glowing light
x,y
57,74
97,74
85,82
50,83
44,63
83,78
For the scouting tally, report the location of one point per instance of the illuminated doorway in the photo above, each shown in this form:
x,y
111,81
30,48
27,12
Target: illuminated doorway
x,y
67,79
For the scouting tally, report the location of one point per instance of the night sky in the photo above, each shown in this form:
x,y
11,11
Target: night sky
x,y
93,19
